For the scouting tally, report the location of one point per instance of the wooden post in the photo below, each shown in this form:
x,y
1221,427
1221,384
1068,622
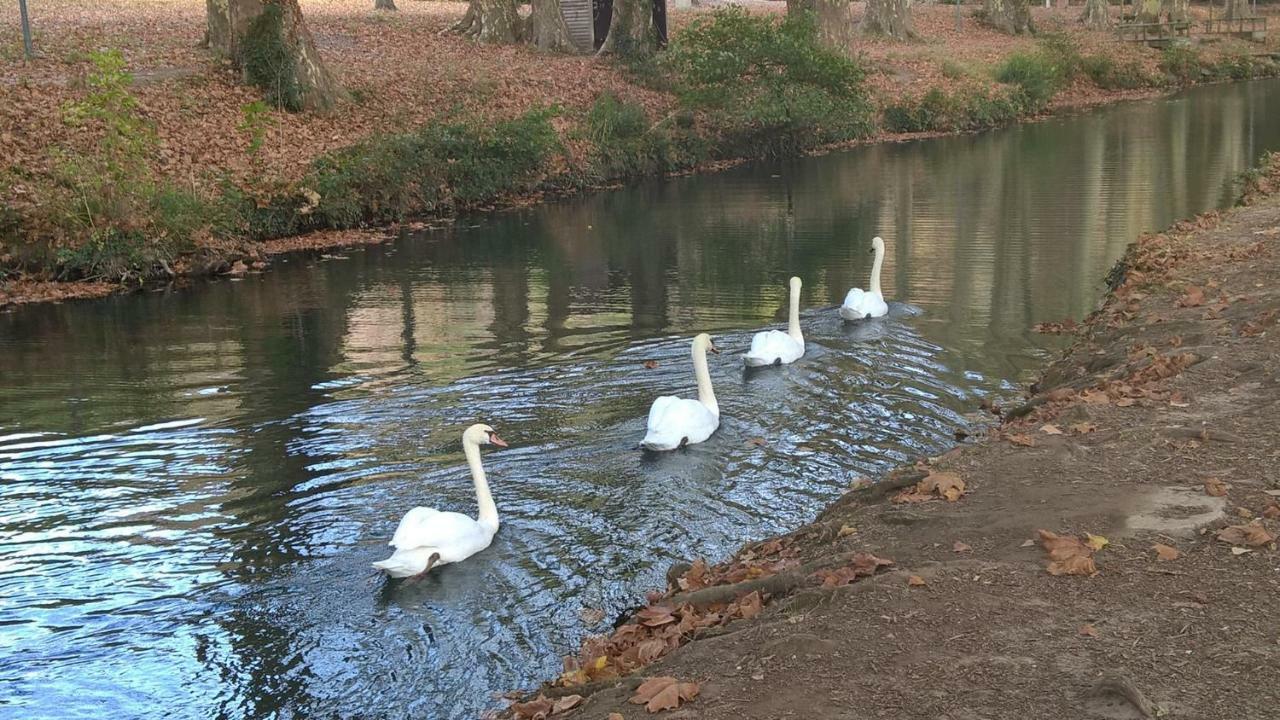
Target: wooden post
x,y
26,30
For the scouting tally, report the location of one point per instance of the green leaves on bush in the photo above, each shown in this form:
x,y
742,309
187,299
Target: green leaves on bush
x,y
768,86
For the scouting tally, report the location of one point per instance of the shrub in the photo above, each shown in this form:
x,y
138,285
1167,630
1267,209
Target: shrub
x,y
436,167
267,60
1182,62
936,111
1036,75
1108,75
770,87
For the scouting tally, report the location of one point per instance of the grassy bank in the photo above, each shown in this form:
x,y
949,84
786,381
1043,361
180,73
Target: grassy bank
x,y
119,192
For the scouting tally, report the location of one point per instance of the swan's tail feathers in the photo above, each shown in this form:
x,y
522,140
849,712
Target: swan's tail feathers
x,y
408,563
659,443
758,360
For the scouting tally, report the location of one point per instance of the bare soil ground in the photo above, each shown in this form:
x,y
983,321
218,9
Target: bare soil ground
x,y
1158,427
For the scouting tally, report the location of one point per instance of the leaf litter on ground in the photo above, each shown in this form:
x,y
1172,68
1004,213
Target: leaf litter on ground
x,y
664,693
1070,555
945,485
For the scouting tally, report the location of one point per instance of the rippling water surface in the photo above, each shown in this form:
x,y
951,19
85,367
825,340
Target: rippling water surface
x,y
193,484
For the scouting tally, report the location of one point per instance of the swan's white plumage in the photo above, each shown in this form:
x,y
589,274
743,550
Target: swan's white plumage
x,y
425,533
773,346
861,304
675,421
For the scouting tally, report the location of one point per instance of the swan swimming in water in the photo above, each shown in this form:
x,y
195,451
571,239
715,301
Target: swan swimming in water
x,y
428,538
770,347
675,422
861,304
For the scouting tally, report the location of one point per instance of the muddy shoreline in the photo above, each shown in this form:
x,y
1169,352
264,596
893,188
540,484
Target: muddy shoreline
x,y
1107,550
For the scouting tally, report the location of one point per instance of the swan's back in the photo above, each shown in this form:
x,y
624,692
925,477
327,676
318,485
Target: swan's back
x,y
674,420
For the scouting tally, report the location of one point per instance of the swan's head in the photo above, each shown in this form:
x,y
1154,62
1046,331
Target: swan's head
x,y
481,434
703,341
877,244
795,284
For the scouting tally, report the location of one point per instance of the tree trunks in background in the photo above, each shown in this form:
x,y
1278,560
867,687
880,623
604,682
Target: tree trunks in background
x,y
546,28
269,43
1176,10
632,30
384,4
1097,14
888,18
1008,16
494,21
834,18
1237,9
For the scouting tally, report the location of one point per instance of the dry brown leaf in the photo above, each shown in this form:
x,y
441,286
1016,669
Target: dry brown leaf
x,y
1193,297
846,530
655,615
615,716
1082,428
1078,565
566,703
1088,631
1095,397
664,693
1021,439
757,441
650,364
536,708
1215,487
946,485
960,547
1050,429
1245,513
1272,512
1177,400
916,581
1067,555
1165,553
1126,402
751,605
1253,534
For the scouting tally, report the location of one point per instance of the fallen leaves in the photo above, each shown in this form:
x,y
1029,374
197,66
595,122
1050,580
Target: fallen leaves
x,y
1050,429
1070,555
863,565
1021,439
1166,553
1083,428
1097,542
1251,535
650,364
960,547
1088,631
945,485
664,693
1215,487
1271,512
1193,297
916,581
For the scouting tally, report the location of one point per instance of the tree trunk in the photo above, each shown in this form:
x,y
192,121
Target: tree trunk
x,y
492,21
1008,16
888,18
632,31
270,44
1237,9
384,4
1175,10
546,28
834,18
1097,14
1149,11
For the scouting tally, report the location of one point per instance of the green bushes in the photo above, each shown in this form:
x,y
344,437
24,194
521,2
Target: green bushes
x,y
1036,75
1110,75
968,110
1181,62
625,143
436,167
768,87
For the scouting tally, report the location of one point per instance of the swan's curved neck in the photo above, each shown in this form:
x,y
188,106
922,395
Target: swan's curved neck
x,y
875,271
488,510
706,395
793,321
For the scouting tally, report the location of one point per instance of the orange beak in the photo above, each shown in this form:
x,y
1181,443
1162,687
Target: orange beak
x,y
493,438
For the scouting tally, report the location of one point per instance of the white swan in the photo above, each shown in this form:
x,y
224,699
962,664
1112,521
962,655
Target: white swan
x,y
427,537
861,304
673,421
772,346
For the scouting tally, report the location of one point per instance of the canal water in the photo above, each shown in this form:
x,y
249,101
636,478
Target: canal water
x,y
193,483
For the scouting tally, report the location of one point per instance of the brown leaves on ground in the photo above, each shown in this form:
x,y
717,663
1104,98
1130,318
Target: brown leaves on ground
x,y
1021,439
945,485
650,364
1272,512
961,547
664,693
1056,328
1070,555
863,565
1252,535
1193,297
1088,631
542,707
1215,487
916,581
1166,553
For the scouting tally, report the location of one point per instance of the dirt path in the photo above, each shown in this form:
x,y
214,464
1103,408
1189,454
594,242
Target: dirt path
x,y
1169,389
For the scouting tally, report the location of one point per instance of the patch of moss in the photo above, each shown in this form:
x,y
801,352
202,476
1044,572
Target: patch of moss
x,y
268,60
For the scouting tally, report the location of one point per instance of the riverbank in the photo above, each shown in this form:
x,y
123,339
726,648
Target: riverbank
x,y
468,127
1108,550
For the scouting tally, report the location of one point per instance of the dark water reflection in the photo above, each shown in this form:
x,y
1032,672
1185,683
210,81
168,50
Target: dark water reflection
x,y
194,483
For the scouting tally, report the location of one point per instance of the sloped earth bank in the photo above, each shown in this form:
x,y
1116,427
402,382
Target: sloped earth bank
x,y
1157,427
